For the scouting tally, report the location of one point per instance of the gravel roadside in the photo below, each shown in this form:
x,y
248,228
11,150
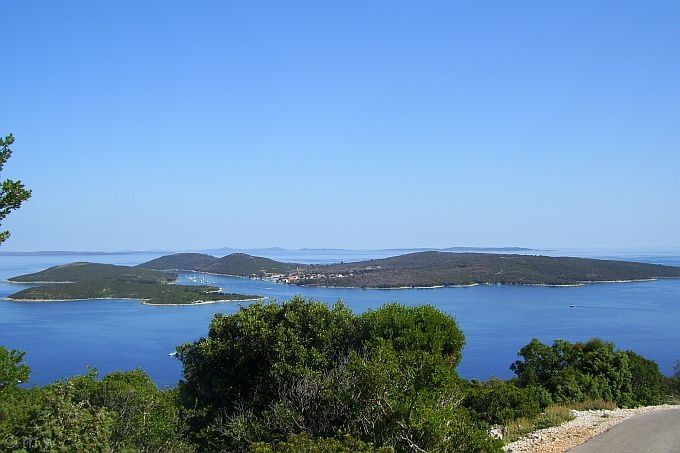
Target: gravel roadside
x,y
587,424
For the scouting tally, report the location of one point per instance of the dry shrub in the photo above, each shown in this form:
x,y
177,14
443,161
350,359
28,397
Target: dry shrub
x,y
552,416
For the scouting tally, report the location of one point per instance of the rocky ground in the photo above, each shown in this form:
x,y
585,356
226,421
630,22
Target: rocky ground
x,y
587,424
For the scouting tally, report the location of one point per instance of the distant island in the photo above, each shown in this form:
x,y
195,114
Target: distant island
x,y
261,250
404,249
81,280
236,264
422,269
80,253
486,249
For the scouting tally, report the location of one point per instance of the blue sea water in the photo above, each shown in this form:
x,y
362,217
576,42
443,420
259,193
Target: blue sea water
x,y
62,338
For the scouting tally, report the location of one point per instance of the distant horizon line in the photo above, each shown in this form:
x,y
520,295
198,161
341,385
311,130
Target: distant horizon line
x,y
312,249
252,249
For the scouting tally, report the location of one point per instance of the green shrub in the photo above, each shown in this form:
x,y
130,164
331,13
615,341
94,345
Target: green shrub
x,y
422,328
647,383
496,402
673,385
304,443
13,370
386,378
49,419
589,371
144,417
121,412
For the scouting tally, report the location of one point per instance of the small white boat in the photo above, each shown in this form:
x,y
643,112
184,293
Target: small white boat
x,y
173,354
572,306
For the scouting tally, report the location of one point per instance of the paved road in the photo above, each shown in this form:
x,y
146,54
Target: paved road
x,y
654,432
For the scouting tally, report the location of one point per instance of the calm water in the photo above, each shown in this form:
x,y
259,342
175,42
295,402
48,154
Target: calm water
x,y
61,338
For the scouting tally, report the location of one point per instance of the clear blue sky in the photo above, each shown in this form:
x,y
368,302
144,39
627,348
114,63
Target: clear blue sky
x,y
361,124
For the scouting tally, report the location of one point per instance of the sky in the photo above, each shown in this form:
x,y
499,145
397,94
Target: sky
x,y
188,125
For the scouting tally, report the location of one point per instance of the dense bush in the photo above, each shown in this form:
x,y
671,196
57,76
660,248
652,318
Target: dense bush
x,y
143,417
386,377
672,383
302,443
13,370
51,419
121,412
496,402
647,383
247,353
589,371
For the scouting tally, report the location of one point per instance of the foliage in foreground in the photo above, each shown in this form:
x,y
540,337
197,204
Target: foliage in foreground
x,y
386,378
121,412
590,371
302,376
497,402
12,193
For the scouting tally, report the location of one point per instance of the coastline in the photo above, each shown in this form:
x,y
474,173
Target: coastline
x,y
220,289
206,302
651,279
390,288
142,301
16,282
467,285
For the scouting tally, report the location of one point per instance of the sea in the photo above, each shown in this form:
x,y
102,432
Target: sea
x,y
62,339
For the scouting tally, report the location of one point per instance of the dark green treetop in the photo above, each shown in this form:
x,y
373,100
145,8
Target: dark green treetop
x,y
13,370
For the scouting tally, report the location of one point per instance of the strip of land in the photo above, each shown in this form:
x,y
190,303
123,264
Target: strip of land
x,y
85,281
423,269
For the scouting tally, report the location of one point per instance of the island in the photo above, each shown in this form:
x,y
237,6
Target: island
x,y
423,269
235,264
78,281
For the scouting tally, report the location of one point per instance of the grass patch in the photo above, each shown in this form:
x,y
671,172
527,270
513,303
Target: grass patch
x,y
552,416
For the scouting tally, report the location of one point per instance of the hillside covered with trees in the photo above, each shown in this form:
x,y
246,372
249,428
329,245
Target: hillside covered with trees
x,y
423,269
108,281
80,271
237,264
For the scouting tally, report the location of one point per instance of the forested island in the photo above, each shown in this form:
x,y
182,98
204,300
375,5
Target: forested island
x,y
152,281
423,269
107,281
